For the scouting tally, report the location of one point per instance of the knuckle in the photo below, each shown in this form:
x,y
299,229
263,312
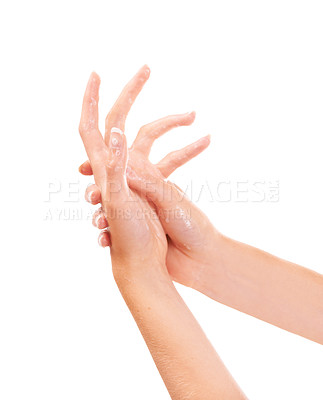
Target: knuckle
x,y
173,163
82,128
173,159
187,153
99,156
87,127
144,130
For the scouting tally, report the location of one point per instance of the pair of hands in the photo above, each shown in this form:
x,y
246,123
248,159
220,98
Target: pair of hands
x,y
155,233
139,206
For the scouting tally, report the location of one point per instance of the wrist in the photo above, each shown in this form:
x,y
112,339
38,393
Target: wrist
x,y
130,276
211,270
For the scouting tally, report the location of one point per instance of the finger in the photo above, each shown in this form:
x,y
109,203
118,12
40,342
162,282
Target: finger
x,y
177,158
104,239
150,132
118,114
178,216
89,131
117,155
85,168
93,194
99,220
114,189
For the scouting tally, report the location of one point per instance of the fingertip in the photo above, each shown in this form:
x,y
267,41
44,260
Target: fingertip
x,y
89,196
103,239
87,173
146,70
100,240
207,139
96,220
95,77
203,142
143,73
85,168
190,117
93,82
193,114
100,221
95,197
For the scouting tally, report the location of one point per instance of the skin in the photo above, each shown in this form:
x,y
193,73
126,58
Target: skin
x,y
187,362
198,256
140,149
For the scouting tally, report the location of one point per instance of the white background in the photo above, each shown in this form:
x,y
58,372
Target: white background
x,y
252,70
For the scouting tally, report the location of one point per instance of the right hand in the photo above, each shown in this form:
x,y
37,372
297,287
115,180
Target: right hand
x,y
191,235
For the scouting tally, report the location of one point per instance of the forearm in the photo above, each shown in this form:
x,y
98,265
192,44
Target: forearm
x,y
186,360
264,286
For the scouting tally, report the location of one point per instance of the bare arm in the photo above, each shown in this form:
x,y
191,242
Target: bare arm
x,y
236,274
264,286
186,360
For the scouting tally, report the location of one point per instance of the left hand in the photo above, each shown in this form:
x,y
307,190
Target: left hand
x,y
137,237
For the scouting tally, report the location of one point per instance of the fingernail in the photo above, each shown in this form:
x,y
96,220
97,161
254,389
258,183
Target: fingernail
x,y
116,141
116,130
100,240
97,218
89,196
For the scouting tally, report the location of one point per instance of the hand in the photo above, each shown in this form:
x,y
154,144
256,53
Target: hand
x,y
139,152
192,236
137,237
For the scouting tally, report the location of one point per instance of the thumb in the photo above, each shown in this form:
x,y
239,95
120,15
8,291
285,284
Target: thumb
x,y
180,218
